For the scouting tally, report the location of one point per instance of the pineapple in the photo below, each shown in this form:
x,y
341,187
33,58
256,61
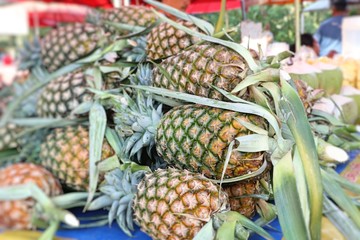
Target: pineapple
x,y
193,137
63,95
239,198
175,204
130,15
17,214
167,203
66,44
165,40
65,153
8,137
196,69
197,137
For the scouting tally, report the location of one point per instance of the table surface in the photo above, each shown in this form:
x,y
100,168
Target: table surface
x,y
114,232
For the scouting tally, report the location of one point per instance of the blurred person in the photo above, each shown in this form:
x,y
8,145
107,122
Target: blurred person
x,y
329,33
308,41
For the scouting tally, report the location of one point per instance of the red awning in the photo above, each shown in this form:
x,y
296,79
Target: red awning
x,y
208,6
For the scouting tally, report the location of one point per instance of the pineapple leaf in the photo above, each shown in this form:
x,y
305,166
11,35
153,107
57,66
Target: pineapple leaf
x,y
226,162
267,75
275,92
341,220
287,200
338,195
109,164
252,127
301,186
294,115
253,143
97,120
260,98
226,231
66,200
206,232
82,108
200,23
353,187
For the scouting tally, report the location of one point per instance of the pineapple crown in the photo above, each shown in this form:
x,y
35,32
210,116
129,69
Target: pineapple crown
x,y
30,55
118,191
28,108
136,121
136,51
142,76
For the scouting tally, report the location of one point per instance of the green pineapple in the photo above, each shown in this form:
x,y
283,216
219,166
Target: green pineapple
x,y
196,69
165,40
191,137
63,95
8,136
130,15
66,44
65,152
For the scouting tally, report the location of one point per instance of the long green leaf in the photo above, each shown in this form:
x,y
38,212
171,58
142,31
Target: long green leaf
x,y
295,117
341,220
267,75
200,23
253,143
353,187
206,232
334,190
301,186
96,136
287,200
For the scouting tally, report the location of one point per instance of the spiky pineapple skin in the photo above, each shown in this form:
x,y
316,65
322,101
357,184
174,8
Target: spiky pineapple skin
x,y
63,95
16,214
196,138
195,70
8,137
66,154
175,204
130,15
165,40
66,44
239,198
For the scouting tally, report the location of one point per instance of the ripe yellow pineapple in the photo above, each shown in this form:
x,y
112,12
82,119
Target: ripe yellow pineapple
x,y
17,214
168,203
65,153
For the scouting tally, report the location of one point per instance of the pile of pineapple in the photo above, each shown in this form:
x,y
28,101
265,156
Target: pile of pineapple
x,y
172,126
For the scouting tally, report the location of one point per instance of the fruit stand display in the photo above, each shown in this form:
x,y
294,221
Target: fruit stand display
x,y
137,121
